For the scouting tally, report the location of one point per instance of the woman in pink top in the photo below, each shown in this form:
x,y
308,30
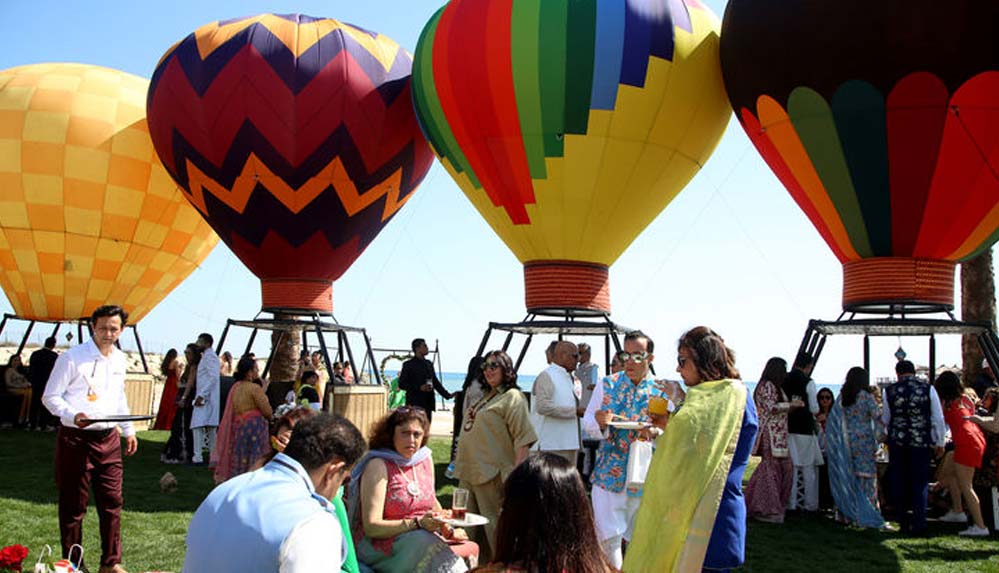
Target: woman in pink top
x,y
393,506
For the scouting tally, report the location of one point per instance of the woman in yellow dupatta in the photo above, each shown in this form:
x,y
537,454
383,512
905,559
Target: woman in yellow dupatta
x,y
693,515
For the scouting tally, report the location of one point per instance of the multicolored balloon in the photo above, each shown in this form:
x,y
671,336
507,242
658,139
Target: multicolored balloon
x,y
88,215
295,138
881,120
570,125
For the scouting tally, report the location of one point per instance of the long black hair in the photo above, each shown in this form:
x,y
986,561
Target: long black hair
x,y
857,380
474,371
546,523
243,367
775,372
168,359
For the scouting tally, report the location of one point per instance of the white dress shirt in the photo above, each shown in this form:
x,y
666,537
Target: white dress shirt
x,y
83,371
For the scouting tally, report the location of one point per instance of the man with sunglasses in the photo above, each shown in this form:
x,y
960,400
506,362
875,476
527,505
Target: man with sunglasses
x,y
622,397
280,517
554,404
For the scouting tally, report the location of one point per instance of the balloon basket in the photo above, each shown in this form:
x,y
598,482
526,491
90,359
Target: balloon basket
x,y
898,285
552,287
819,330
80,324
557,324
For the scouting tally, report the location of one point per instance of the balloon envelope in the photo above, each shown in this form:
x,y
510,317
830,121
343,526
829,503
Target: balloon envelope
x,y
88,215
881,119
570,125
295,137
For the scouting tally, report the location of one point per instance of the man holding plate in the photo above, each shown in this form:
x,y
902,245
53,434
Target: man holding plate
x,y
88,384
618,413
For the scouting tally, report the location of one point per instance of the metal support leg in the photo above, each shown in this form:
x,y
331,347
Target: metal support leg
x,y
485,340
3,323
607,353
341,343
24,339
509,339
79,333
55,331
371,356
933,358
225,333
270,357
523,353
867,353
350,357
142,354
249,343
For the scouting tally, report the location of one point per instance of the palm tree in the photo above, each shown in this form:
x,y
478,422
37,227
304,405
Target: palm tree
x,y
286,345
978,302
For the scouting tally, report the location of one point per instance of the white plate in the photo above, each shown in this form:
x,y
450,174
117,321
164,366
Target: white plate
x,y
471,520
628,425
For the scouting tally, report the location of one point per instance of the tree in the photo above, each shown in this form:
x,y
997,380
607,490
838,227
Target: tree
x,y
286,345
978,302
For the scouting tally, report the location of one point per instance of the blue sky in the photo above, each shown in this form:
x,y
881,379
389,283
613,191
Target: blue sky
x,y
732,251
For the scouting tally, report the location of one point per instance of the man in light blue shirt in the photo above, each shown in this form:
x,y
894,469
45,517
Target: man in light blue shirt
x,y
279,519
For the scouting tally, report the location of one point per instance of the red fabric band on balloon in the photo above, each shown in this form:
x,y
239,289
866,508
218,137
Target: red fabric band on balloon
x,y
566,285
296,294
884,281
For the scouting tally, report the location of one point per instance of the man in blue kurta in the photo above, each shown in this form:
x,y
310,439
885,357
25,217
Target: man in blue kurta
x,y
279,519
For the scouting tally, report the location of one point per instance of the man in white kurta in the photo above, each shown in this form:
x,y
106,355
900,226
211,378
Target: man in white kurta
x,y
205,418
554,405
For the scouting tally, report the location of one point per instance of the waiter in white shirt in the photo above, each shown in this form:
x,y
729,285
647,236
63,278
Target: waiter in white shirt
x,y
88,382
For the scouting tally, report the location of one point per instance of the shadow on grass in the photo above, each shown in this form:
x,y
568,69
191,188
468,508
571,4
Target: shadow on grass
x,y
818,541
29,459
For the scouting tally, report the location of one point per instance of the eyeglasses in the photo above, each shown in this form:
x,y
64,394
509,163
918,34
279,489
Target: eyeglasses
x,y
490,365
633,356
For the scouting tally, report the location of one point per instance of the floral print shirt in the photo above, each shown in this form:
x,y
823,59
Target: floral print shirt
x,y
625,398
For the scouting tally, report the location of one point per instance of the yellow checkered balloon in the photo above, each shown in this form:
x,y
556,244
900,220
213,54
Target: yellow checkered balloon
x,y
88,215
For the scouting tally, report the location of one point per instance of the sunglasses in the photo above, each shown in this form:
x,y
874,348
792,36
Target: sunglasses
x,y
633,356
490,365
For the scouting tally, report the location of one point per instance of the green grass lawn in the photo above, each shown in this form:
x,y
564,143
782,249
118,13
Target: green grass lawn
x,y
154,523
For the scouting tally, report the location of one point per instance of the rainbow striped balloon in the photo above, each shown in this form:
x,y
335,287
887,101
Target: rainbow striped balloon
x,y
570,124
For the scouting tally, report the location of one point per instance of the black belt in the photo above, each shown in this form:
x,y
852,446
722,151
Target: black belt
x,y
86,433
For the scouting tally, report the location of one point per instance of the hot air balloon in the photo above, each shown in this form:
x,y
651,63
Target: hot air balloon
x,y
295,138
88,215
880,119
570,125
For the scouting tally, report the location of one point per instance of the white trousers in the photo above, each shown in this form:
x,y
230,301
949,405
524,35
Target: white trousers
x,y
201,436
614,517
805,491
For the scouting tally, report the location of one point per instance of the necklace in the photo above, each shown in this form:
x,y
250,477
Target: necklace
x,y
482,403
413,487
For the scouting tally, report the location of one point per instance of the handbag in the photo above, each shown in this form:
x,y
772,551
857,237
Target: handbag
x,y
639,460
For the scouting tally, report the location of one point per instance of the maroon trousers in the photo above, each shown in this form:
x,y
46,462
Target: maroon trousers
x,y
84,458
